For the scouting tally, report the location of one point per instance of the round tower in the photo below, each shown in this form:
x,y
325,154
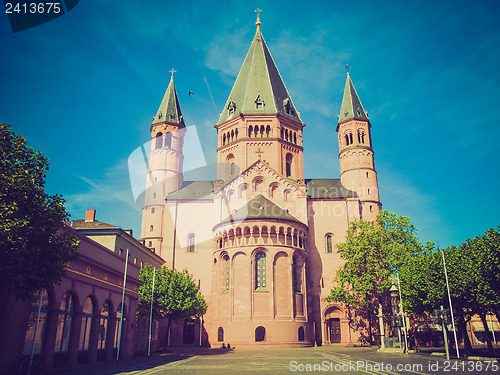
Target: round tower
x,y
356,155
165,166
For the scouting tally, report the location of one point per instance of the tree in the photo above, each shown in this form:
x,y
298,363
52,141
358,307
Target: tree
x,y
373,251
34,255
176,295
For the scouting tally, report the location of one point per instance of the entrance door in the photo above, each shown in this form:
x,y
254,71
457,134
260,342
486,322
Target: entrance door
x,y
335,331
188,334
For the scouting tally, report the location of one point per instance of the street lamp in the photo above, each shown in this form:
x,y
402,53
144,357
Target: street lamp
x,y
443,317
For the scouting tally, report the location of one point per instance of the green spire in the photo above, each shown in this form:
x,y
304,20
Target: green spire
x,y
259,88
351,105
170,110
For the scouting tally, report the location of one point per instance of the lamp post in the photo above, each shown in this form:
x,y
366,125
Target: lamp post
x,y
443,317
395,318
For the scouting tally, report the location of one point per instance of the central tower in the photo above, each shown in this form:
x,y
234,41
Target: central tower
x,y
259,120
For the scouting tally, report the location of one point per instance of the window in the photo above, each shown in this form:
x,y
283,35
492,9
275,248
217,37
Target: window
x,y
153,210
30,332
272,190
259,103
230,161
191,243
301,334
260,271
168,140
361,136
220,334
289,159
257,182
159,140
88,314
295,275
103,331
260,334
250,131
150,244
63,334
329,243
150,228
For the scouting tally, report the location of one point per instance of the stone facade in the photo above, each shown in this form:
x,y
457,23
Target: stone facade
x,y
260,238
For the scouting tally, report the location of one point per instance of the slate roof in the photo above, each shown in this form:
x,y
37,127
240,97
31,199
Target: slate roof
x,y
193,190
82,224
351,107
327,189
260,208
259,84
170,109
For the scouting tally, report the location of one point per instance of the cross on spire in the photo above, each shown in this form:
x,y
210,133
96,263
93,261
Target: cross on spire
x,y
173,71
258,10
347,67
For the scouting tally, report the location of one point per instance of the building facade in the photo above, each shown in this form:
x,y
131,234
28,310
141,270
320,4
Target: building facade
x,y
261,237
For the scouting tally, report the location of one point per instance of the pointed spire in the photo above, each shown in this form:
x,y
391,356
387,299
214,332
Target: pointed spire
x,y
259,88
351,107
170,109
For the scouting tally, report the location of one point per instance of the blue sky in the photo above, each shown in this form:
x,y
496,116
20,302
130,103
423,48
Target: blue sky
x,y
84,87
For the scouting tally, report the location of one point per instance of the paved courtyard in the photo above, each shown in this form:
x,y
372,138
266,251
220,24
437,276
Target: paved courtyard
x,y
321,360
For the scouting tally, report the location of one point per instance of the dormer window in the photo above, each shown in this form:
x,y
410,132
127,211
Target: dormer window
x,y
231,107
259,103
287,105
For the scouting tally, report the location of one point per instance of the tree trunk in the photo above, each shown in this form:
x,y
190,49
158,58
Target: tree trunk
x,y
487,330
370,334
463,331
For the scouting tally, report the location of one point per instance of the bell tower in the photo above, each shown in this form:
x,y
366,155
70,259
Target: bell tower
x,y
357,166
259,120
165,165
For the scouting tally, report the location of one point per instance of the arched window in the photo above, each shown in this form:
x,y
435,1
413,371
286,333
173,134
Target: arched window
x,y
350,138
289,159
191,241
296,275
153,210
260,271
346,139
236,134
272,190
260,334
268,131
40,331
282,133
151,228
301,334
250,131
257,182
241,190
223,139
220,334
87,317
286,134
329,243
295,138
168,140
63,334
159,140
286,194
262,131
150,244
102,341
256,131
227,272
230,162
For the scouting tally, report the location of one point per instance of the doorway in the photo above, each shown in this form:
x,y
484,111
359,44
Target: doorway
x,y
335,335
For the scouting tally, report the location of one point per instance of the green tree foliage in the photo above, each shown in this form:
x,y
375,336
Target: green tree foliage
x,y
372,252
176,295
474,279
33,256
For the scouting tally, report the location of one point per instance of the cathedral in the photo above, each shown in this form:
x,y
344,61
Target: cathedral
x,y
260,238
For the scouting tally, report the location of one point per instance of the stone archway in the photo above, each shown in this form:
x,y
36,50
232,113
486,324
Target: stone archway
x,y
335,326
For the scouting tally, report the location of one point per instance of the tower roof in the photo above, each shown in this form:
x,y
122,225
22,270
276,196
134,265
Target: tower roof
x,y
351,105
170,109
259,88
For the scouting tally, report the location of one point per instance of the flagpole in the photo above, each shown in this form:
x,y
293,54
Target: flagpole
x,y
451,306
151,312
123,309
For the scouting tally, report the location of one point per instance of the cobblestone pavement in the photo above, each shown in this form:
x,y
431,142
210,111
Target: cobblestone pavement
x,y
321,360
